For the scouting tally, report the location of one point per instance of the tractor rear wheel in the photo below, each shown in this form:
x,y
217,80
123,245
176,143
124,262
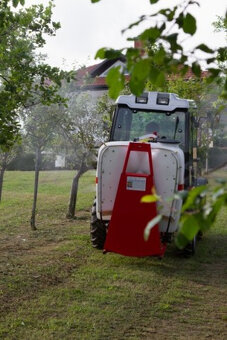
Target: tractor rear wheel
x,y
189,250
98,229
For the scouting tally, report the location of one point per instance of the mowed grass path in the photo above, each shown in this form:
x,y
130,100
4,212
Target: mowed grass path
x,y
54,285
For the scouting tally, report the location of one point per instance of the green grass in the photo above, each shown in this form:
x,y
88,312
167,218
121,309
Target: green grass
x,y
54,285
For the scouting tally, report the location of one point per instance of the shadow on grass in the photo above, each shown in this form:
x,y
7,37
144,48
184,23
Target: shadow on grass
x,y
206,265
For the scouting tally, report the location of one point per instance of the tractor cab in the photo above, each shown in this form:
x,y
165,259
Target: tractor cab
x,y
157,117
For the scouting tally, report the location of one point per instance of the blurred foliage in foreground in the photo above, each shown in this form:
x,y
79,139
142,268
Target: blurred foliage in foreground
x,y
199,211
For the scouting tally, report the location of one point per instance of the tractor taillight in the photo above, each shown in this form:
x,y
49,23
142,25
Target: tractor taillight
x,y
96,180
180,187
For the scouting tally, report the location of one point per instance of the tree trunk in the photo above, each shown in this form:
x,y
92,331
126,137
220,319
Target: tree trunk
x,y
2,172
36,184
207,165
1,181
74,190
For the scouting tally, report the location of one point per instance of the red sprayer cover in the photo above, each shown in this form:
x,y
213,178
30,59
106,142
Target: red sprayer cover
x,y
130,217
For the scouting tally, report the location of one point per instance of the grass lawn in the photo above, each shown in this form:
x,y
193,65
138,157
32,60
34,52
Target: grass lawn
x,y
54,285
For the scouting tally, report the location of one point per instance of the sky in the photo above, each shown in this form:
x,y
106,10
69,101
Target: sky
x,y
86,27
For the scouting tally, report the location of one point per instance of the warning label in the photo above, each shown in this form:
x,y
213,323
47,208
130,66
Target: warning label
x,y
136,183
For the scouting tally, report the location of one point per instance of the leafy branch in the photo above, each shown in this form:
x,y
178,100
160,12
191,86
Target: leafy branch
x,y
169,56
198,213
25,78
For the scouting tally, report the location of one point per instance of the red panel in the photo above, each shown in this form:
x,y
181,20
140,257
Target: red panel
x,y
130,217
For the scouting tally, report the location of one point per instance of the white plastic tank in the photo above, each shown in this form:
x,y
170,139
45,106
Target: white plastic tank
x,y
168,168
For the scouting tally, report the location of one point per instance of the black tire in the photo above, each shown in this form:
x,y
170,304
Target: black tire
x,y
199,236
189,250
98,229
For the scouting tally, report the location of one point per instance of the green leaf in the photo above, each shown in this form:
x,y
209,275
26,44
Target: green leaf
x,y
93,1
159,56
150,34
181,241
141,69
192,196
169,14
15,3
115,82
189,226
221,108
104,53
184,69
214,71
150,226
189,24
132,52
196,69
136,87
222,54
101,53
139,76
149,199
217,193
154,72
160,81
112,54
56,25
180,20
210,60
153,1
172,39
221,201
22,2
204,48
214,74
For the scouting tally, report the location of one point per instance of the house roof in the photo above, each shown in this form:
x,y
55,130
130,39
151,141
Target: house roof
x,y
91,77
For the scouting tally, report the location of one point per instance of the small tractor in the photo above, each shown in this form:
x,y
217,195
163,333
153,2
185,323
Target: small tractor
x,y
152,146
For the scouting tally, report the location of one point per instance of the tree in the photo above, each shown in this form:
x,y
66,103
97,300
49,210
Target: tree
x,y
221,26
6,156
41,125
105,108
82,132
169,57
22,74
